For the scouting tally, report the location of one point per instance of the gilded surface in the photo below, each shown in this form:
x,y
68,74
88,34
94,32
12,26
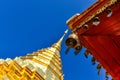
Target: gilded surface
x,y
109,3
44,64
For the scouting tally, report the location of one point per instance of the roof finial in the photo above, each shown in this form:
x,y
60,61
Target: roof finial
x,y
66,31
58,44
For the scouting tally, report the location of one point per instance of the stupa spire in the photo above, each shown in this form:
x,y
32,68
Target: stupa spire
x,y
66,31
58,44
44,64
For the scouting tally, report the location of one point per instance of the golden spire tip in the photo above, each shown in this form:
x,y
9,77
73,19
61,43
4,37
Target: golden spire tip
x,y
58,44
66,31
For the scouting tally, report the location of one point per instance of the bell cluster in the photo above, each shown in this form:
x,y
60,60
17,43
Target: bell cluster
x,y
73,42
96,20
99,67
104,8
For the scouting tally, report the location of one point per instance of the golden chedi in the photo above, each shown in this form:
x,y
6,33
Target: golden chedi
x,y
44,64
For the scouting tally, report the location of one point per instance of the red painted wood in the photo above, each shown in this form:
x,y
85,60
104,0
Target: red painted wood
x,y
89,11
103,41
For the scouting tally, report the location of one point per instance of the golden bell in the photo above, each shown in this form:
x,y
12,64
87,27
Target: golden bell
x,y
96,21
85,27
86,53
72,40
109,12
106,75
78,48
99,66
93,60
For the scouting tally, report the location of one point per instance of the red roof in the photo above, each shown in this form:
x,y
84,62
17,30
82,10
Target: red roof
x,y
103,40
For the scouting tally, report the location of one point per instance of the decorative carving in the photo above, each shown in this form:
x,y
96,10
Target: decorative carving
x,y
111,2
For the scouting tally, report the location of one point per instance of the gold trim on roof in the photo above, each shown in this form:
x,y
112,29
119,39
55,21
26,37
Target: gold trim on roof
x,y
111,2
104,7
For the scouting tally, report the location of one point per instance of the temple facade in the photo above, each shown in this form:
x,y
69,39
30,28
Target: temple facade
x,y
44,64
98,30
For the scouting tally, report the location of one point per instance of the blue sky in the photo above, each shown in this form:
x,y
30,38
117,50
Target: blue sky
x,y
29,25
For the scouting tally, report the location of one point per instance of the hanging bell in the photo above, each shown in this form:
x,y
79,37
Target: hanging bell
x,y
93,60
106,75
109,12
96,21
99,66
78,48
72,40
85,27
86,53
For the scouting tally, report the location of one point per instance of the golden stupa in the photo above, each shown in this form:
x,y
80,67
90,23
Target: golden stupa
x,y
44,64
